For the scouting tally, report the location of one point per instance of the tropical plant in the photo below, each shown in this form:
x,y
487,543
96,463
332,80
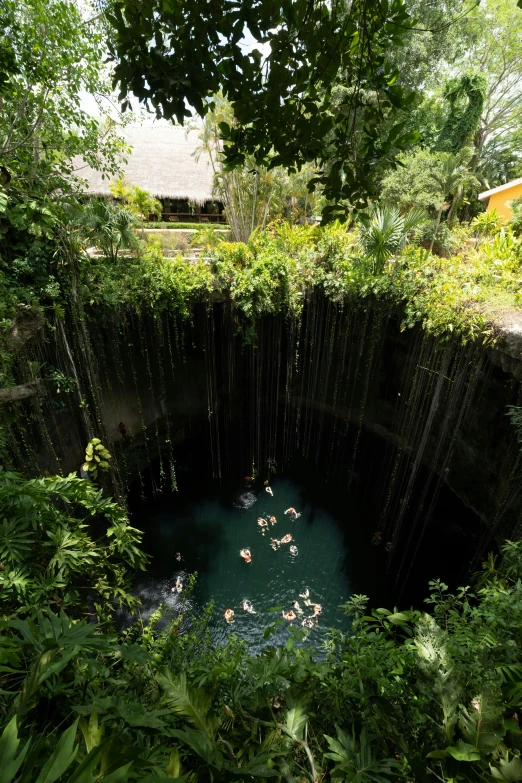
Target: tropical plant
x,y
52,57
454,179
48,557
137,199
384,231
107,226
252,194
96,458
487,223
516,217
206,237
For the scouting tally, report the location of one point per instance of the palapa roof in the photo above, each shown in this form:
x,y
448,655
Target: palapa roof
x,y
161,161
484,197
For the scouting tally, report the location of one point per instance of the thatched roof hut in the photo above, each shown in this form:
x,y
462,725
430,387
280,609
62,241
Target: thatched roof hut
x,y
162,162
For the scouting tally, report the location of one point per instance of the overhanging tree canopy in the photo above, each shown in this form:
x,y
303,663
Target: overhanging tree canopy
x,y
175,56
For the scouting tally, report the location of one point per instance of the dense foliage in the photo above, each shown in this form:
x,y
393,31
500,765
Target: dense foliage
x,y
405,694
464,294
176,57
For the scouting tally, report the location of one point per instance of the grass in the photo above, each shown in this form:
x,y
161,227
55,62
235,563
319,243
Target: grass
x,y
185,226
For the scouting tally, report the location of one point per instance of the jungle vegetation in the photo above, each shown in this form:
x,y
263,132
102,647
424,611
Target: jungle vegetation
x,y
404,111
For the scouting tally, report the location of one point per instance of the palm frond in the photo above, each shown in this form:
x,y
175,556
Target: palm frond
x,y
195,704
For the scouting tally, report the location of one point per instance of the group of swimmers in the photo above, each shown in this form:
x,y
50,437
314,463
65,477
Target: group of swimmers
x,y
306,622
276,543
263,524
377,541
246,605
294,614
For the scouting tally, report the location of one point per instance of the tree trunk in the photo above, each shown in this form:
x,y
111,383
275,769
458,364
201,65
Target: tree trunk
x,y
21,392
437,224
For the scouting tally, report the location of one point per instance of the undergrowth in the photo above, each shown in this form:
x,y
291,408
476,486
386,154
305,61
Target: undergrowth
x,y
463,296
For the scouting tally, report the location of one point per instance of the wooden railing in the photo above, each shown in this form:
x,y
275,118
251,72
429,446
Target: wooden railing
x,y
189,217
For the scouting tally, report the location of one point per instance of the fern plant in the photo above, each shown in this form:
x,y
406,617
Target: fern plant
x,y
47,555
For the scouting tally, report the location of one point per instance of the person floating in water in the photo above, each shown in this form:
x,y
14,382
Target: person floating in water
x,y
377,539
269,490
290,511
293,549
308,622
247,606
229,616
178,587
275,543
306,594
286,539
297,607
122,429
273,520
389,546
245,554
291,615
178,556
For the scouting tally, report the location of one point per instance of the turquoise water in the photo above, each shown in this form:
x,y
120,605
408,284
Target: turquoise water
x,y
209,530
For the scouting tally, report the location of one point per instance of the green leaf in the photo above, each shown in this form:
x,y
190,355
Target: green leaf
x,y
462,751
508,771
174,765
10,763
397,618
62,757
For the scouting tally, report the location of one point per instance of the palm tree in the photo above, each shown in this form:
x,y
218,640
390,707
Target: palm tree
x,y
454,179
107,226
384,231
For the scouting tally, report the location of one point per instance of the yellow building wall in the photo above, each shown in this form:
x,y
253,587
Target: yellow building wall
x,y
500,201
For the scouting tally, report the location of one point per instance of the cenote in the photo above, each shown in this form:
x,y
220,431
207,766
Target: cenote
x,y
362,426
207,522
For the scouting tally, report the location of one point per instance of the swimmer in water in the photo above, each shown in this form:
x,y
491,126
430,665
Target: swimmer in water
x,y
178,556
262,522
275,543
273,520
179,584
289,615
247,606
318,609
286,539
245,554
306,594
389,546
269,490
229,616
293,549
307,622
297,607
290,511
377,538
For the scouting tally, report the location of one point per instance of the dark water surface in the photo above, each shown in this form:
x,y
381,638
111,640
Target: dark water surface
x,y
209,527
